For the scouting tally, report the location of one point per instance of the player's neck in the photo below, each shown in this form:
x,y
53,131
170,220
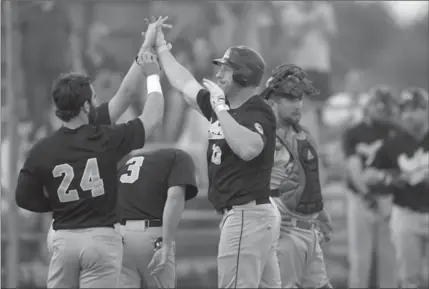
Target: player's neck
x,y
74,123
241,97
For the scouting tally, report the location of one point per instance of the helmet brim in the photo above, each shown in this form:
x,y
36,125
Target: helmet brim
x,y
219,61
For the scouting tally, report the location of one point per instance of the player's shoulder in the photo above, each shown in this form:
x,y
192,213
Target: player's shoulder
x,y
256,102
172,153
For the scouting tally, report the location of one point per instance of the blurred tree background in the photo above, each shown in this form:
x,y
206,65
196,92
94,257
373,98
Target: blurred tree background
x,y
101,38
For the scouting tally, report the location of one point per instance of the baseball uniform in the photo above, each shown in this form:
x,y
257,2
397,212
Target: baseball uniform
x,y
240,190
297,193
144,181
77,168
410,213
367,230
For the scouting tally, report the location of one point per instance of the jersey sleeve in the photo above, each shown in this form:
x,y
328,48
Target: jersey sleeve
x,y
29,193
203,101
103,116
349,143
182,173
385,157
126,137
260,120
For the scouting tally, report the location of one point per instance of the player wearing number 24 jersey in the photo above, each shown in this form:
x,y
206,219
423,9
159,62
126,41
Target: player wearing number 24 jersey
x,y
73,174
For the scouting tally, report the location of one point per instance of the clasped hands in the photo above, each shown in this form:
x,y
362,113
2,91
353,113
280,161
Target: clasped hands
x,y
155,43
154,40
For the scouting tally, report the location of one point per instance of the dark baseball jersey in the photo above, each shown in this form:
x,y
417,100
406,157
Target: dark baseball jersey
x,y
403,154
233,181
77,169
364,140
144,181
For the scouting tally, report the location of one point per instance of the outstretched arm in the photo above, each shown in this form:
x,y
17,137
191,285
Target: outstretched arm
x,y
179,77
123,97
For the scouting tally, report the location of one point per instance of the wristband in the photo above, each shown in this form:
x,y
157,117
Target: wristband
x,y
221,107
162,48
153,84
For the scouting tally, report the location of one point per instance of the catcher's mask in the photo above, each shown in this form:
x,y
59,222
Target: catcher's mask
x,y
289,81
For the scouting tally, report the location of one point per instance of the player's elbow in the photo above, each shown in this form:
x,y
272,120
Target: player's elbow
x,y
30,204
253,149
176,195
153,113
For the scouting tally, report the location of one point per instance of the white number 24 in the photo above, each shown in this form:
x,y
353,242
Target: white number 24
x,y
134,165
90,181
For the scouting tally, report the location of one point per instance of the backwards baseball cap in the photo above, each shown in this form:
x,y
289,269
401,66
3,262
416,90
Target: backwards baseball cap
x,y
289,81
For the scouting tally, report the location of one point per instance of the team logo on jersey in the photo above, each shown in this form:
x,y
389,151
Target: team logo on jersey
x,y
216,155
310,156
258,127
415,167
215,131
369,150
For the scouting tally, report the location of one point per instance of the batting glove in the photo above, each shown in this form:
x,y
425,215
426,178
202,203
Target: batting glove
x,y
148,63
217,96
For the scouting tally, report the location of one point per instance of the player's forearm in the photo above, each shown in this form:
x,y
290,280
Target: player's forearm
x,y
173,210
354,169
153,111
179,77
29,203
123,97
243,142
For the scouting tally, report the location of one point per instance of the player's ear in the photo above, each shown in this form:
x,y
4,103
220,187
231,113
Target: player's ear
x,y
86,107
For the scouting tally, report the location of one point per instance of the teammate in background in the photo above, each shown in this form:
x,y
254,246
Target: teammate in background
x,y
240,157
403,168
368,210
153,188
295,184
73,174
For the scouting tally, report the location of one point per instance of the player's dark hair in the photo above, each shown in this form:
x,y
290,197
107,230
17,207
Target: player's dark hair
x,y
69,92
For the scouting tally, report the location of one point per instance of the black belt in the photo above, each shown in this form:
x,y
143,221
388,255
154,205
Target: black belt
x,y
148,223
261,201
275,193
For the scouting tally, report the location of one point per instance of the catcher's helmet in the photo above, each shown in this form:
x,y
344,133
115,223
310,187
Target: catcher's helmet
x,y
414,97
289,81
248,65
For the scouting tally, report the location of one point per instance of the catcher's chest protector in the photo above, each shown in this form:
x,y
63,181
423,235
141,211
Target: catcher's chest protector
x,y
307,195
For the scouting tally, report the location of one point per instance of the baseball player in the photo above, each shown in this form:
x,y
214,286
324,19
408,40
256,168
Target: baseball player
x,y
73,174
368,209
295,184
153,188
404,170
240,156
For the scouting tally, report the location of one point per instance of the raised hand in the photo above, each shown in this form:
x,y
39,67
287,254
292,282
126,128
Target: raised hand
x,y
151,33
217,96
148,63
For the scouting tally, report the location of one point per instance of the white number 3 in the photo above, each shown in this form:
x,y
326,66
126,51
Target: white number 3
x,y
134,165
90,181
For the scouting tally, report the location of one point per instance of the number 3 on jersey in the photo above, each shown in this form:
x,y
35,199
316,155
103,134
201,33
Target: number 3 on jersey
x,y
134,164
90,181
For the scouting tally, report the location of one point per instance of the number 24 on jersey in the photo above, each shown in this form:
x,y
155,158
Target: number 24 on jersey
x,y
90,181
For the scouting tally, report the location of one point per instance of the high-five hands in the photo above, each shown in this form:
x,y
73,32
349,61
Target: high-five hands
x,y
154,37
217,96
152,29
